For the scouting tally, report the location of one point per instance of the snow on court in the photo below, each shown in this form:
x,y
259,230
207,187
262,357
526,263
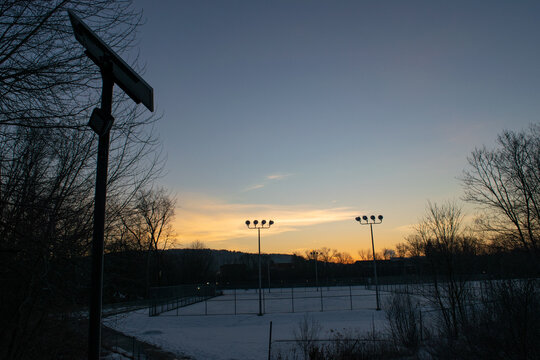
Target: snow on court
x,y
245,336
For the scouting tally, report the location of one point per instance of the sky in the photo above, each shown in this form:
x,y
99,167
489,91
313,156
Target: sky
x,y
311,113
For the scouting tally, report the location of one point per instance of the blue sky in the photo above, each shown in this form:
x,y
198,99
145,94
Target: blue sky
x,y
314,112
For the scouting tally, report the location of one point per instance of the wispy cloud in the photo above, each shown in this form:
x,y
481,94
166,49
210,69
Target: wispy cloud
x,y
208,220
253,187
278,176
268,178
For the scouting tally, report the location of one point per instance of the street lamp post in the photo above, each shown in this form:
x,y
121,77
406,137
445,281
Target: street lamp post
x,y
372,221
314,255
113,71
262,225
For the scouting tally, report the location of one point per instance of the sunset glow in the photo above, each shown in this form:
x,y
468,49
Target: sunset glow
x,y
311,113
221,225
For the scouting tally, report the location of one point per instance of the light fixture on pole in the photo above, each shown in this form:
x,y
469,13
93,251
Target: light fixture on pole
x,y
262,225
315,255
372,220
113,71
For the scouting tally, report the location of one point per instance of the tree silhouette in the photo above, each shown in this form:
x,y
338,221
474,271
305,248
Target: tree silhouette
x,y
47,165
505,183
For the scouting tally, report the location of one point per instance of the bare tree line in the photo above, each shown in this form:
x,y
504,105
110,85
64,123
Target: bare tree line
x,y
47,161
326,255
501,319
504,184
47,168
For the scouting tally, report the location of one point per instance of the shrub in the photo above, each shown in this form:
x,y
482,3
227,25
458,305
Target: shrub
x,y
505,324
306,334
404,321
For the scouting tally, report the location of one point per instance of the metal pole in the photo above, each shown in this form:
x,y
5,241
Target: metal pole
x,y
94,333
316,275
260,279
292,298
268,264
270,343
375,268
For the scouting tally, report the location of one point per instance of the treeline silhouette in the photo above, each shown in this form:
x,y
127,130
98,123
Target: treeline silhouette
x,y
125,272
47,172
47,178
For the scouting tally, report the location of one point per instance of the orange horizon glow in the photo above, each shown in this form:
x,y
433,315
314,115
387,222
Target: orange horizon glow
x,y
221,226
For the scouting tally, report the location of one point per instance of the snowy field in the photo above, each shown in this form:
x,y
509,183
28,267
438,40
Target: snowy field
x,y
221,335
283,300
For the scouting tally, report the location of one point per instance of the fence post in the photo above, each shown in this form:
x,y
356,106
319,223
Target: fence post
x,y
321,301
292,297
421,325
373,331
270,343
350,295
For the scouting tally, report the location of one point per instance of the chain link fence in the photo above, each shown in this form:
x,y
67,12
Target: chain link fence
x,y
116,345
163,299
275,300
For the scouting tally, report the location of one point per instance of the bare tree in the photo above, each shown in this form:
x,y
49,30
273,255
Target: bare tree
x,y
197,262
442,236
343,257
326,254
388,253
311,254
149,224
45,219
306,334
44,76
401,250
364,254
414,245
197,245
48,88
505,183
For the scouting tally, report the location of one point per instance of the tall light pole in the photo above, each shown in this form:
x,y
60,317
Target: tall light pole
x,y
314,255
113,71
262,225
372,221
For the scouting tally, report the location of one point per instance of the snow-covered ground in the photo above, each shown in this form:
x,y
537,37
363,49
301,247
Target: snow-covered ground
x,y
246,335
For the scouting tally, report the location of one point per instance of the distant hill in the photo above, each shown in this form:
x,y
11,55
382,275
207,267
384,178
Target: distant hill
x,y
222,257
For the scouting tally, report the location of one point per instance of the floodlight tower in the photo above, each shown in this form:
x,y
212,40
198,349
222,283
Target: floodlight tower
x,y
315,256
372,221
113,71
262,225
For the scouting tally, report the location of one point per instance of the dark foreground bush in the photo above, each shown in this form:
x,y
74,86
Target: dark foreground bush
x,y
502,322
362,347
505,324
61,339
404,321
343,346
